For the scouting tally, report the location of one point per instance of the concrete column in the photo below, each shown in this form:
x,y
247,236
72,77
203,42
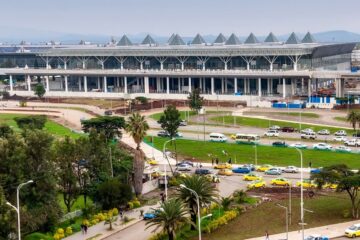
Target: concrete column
x,y
85,84
222,86
271,86
189,84
259,87
248,66
249,86
146,83
117,82
212,86
200,84
204,85
79,83
225,66
66,84
125,85
271,67
11,83
98,83
268,86
226,85
293,81
47,86
29,83
245,86
309,87
161,66
235,85
83,65
302,86
182,66
284,88
167,85
121,65
179,85
65,65
203,66
105,84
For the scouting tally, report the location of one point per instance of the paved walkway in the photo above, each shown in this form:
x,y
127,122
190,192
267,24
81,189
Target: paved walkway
x,y
331,231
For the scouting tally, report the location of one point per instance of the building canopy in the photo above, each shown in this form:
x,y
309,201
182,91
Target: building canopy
x,y
308,38
251,39
124,41
271,38
198,40
221,39
148,40
233,40
293,39
176,41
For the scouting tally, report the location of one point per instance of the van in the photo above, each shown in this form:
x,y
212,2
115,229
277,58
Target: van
x,y
217,137
308,135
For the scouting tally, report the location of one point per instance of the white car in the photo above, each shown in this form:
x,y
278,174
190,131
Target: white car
x,y
272,133
308,135
322,146
291,169
323,132
183,167
307,130
352,142
275,127
340,139
298,145
341,133
342,149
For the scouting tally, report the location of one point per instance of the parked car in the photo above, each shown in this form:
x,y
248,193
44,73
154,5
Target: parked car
x,y
322,146
108,113
340,139
264,168
291,169
323,132
316,237
163,133
308,135
223,166
241,170
202,171
298,145
275,127
353,231
340,133
273,171
315,170
183,123
271,133
280,182
307,130
256,184
306,183
151,214
352,142
183,167
279,144
217,137
251,177
332,186
185,162
343,149
250,166
225,171
288,129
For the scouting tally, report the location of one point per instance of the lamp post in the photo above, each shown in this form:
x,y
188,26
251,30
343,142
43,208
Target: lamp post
x,y
286,219
164,148
17,208
198,207
301,192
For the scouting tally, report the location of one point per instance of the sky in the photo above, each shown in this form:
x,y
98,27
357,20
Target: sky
x,y
186,17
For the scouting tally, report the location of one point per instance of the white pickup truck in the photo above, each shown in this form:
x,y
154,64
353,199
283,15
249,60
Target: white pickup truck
x,y
352,143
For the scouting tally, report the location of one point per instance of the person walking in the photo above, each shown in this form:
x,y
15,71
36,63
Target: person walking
x,y
267,235
85,228
82,226
212,161
217,161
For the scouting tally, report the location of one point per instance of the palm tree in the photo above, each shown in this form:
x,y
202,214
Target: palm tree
x,y
203,187
171,216
353,118
137,126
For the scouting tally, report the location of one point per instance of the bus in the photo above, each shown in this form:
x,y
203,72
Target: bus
x,y
247,138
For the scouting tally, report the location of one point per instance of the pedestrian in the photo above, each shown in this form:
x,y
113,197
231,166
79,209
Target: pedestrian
x,y
229,161
121,214
141,213
217,161
85,228
212,161
82,228
200,165
162,197
310,164
267,235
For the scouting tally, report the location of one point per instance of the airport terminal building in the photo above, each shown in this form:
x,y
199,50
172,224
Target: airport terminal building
x,y
226,69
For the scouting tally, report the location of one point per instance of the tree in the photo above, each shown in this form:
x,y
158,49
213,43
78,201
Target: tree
x,y
195,100
203,187
66,156
110,125
6,218
112,193
39,90
5,130
347,181
353,118
137,127
31,122
170,217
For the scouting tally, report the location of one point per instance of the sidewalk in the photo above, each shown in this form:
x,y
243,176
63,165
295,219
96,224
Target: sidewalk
x,y
330,231
101,231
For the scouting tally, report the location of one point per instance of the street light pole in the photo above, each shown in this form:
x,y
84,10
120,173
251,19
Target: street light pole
x,y
17,208
301,192
286,219
198,207
164,154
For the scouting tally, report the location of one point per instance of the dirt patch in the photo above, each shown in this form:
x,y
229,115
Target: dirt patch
x,y
281,193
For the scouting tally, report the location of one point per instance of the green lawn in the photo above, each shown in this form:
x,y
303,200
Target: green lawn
x,y
50,126
296,114
243,153
341,119
78,205
264,123
269,217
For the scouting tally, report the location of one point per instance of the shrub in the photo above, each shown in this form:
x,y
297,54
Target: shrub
x,y
22,103
115,211
136,204
158,236
130,205
75,227
68,231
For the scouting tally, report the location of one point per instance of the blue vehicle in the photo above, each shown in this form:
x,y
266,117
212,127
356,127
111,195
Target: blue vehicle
x,y
241,170
150,214
315,170
250,166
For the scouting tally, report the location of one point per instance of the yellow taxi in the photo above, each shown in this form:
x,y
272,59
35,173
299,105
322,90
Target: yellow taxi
x,y
353,231
332,186
306,184
152,161
256,184
264,168
226,172
233,136
223,166
251,177
280,182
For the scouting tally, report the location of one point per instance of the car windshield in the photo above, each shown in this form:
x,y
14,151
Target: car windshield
x,y
353,227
